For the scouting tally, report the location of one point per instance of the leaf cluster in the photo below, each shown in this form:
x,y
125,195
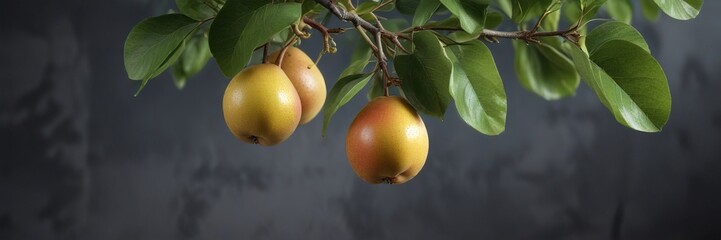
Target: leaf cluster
x,y
436,53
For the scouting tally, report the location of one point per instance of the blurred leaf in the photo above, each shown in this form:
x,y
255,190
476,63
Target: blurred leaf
x,y
505,6
571,9
193,59
574,9
620,10
627,80
377,87
425,75
471,13
450,22
196,9
366,7
550,23
242,26
589,8
308,5
425,11
477,88
394,25
650,10
407,7
152,44
680,9
359,60
524,10
343,91
493,19
544,70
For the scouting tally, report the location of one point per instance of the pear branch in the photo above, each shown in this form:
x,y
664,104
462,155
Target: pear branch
x,y
357,21
529,36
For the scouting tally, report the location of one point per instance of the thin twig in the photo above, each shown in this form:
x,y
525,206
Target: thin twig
x,y
367,39
358,21
325,31
383,63
281,55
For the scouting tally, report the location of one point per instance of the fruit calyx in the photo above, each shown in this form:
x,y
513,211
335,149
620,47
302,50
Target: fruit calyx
x,y
389,180
254,140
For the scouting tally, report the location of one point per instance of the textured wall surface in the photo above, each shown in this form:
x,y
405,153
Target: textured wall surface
x,y
80,158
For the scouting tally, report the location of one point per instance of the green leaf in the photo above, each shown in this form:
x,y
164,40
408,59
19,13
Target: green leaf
x,y
620,10
585,8
358,60
407,7
377,87
505,5
450,22
477,88
590,6
425,11
462,37
614,31
308,5
493,19
571,10
472,13
242,26
343,91
174,56
544,70
151,44
366,7
425,75
524,10
628,81
196,9
194,58
680,9
282,37
394,25
550,23
650,10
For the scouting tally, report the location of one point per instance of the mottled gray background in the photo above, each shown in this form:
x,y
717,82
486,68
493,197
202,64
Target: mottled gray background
x,y
80,158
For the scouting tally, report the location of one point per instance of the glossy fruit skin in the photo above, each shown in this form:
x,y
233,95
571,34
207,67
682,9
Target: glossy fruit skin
x,y
306,78
387,142
261,106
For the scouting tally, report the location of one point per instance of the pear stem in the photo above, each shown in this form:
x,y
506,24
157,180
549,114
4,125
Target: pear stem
x,y
281,55
265,53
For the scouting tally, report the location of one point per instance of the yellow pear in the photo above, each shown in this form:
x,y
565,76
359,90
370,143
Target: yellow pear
x,y
306,78
261,105
387,142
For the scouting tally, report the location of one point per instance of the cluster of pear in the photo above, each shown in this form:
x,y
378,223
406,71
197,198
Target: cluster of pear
x,y
264,104
387,142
